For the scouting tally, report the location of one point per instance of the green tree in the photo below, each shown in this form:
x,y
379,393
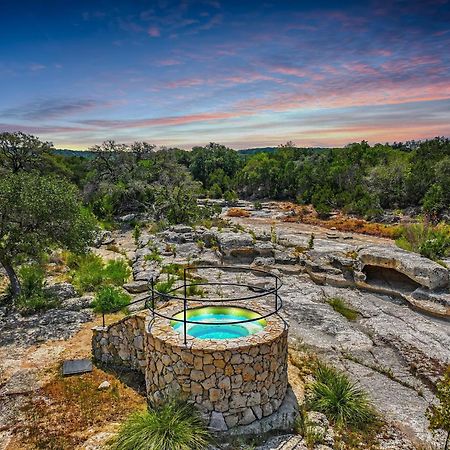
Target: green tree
x,y
36,214
434,202
20,151
214,163
439,415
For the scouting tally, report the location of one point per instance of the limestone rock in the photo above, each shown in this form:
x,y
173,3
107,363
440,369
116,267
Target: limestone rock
x,y
77,303
136,287
62,291
217,422
420,269
104,385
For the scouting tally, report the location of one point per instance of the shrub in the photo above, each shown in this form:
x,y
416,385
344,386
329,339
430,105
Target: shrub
x,y
165,286
88,274
340,306
434,202
33,297
215,191
32,279
258,205
230,197
339,399
312,434
195,291
110,299
174,425
116,272
439,415
311,241
177,270
137,231
430,241
154,256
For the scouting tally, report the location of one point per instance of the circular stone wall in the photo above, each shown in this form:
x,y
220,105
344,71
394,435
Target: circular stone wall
x,y
234,381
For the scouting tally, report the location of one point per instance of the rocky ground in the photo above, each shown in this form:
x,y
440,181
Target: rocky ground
x,y
394,351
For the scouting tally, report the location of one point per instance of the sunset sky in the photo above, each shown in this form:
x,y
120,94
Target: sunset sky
x,y
241,73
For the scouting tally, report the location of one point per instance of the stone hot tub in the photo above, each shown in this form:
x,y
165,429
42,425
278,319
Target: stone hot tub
x,y
228,355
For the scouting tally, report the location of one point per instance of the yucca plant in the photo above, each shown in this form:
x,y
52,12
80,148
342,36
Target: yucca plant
x,y
174,425
342,401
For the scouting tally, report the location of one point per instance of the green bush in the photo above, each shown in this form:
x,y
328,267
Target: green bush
x,y
258,205
165,286
430,241
195,291
33,297
88,274
433,202
137,231
32,278
110,299
116,272
154,256
175,425
439,414
342,401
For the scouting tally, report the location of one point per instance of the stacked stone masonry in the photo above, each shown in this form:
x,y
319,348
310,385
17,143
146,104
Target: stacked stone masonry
x,y
121,344
233,382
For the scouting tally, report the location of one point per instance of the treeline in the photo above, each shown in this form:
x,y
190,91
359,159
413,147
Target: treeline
x,y
358,179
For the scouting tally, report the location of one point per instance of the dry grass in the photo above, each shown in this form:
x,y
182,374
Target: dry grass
x,y
65,411
237,212
340,222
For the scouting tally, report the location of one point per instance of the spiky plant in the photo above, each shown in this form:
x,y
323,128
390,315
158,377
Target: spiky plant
x,y
174,425
342,401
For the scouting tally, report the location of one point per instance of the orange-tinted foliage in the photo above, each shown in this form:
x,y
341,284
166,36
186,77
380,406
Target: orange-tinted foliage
x,y
341,222
237,212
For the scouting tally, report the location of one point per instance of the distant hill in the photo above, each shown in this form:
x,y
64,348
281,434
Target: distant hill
x,y
80,153
246,152
253,151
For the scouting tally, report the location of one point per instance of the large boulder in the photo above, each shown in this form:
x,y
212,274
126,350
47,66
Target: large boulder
x,y
62,291
422,270
237,246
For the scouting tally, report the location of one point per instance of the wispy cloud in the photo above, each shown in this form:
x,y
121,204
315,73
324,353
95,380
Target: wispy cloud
x,y
51,109
154,31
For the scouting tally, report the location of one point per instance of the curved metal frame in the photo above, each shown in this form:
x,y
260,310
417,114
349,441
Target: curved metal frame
x,y
169,296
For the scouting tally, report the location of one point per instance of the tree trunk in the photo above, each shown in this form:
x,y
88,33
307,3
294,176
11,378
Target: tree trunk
x,y
13,278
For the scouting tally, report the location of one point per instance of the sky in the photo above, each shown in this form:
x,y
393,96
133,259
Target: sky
x,y
242,73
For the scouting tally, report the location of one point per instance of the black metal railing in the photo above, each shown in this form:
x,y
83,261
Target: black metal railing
x,y
260,294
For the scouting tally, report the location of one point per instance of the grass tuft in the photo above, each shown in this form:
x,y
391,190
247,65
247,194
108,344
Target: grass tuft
x,y
174,425
341,307
342,401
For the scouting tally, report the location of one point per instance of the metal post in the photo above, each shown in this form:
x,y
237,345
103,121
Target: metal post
x,y
185,307
103,320
276,293
153,297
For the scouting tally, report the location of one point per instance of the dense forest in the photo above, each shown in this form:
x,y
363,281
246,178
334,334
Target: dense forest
x,y
51,200
358,179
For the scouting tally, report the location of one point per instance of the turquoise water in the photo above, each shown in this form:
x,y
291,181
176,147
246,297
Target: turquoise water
x,y
222,314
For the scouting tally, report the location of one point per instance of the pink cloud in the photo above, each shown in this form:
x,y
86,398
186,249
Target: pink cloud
x,y
162,121
154,31
169,62
294,71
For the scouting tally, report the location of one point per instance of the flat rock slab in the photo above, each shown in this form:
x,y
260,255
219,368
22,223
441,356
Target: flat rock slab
x,y
76,366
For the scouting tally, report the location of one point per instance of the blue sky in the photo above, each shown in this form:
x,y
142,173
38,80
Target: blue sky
x,y
245,74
